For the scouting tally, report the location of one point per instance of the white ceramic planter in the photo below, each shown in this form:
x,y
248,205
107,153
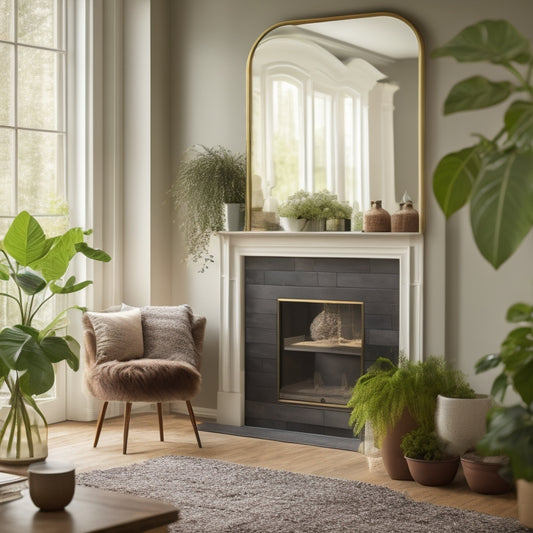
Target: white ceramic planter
x,y
292,224
461,422
524,494
234,217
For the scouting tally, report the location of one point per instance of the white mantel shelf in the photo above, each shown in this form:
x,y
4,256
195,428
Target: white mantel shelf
x,y
408,248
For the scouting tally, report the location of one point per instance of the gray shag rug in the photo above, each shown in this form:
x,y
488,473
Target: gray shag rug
x,y
216,496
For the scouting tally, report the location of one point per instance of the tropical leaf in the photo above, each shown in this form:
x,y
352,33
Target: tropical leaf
x,y
476,92
4,272
70,286
58,349
92,253
56,261
520,312
454,178
519,124
30,282
19,347
25,239
501,211
496,41
38,378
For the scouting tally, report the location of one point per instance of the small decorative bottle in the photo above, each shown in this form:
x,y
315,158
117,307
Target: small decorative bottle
x,y
376,218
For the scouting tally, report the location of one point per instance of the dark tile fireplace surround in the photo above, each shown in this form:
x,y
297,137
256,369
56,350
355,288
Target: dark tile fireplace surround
x,y
375,282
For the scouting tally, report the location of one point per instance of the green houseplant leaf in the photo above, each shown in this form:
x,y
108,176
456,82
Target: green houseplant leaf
x,y
25,240
500,207
495,41
476,92
454,178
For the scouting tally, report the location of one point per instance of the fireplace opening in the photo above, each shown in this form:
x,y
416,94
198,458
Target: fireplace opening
x,y
320,351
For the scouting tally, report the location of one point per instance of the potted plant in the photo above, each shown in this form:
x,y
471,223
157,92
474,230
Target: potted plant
x,y
304,211
337,214
209,194
495,177
395,399
33,266
428,463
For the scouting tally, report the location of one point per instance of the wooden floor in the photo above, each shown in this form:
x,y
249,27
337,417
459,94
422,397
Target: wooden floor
x,y
73,441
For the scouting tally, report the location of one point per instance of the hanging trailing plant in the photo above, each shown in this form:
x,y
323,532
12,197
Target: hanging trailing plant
x,y
207,179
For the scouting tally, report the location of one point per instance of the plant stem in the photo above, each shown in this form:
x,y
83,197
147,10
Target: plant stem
x,y
523,81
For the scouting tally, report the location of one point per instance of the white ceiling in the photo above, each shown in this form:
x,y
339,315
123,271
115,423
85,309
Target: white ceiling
x,y
384,35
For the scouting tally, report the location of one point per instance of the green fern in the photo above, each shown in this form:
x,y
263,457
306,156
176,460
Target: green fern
x,y
382,394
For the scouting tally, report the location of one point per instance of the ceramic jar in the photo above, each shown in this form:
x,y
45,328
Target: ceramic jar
x,y
376,218
406,219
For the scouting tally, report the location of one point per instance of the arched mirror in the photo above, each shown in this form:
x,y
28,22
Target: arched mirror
x,y
337,104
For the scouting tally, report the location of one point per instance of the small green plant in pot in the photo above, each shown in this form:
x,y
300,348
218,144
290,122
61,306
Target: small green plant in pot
x,y
207,180
389,396
32,266
426,459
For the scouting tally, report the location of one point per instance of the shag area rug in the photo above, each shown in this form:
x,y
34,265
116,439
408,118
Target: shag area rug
x,y
216,496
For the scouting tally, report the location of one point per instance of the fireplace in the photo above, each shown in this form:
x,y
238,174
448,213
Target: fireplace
x,y
312,326
258,269
320,351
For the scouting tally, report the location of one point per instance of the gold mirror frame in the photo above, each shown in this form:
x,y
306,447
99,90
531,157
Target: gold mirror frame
x,y
421,104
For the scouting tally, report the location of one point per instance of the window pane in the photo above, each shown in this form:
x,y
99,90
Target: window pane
x,y
39,98
41,188
286,135
322,141
6,20
6,171
7,53
39,22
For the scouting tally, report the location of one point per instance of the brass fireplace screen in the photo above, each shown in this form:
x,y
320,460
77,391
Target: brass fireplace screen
x,y
320,351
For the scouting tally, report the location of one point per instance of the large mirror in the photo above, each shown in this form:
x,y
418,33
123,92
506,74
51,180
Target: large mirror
x,y
335,104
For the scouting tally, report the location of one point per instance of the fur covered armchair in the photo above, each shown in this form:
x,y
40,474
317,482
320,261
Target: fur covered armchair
x,y
147,354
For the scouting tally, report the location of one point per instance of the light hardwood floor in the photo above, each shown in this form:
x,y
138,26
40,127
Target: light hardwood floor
x,y
73,441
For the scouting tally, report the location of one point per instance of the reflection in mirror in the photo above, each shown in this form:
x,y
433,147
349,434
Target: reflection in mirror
x,y
334,104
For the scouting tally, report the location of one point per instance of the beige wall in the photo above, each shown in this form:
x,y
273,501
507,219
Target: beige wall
x,y
465,299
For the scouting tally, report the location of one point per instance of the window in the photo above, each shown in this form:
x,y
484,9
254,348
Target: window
x,y
33,115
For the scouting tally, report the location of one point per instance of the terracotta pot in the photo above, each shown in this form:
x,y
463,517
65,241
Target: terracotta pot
x,y
524,493
461,422
391,451
433,473
482,476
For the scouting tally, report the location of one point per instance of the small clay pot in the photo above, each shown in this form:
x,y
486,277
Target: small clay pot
x,y
433,473
482,474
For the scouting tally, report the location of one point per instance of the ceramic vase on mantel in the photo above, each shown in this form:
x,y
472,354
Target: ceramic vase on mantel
x,y
234,217
406,219
376,218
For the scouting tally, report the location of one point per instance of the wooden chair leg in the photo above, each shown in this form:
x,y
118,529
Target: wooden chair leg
x,y
127,415
160,417
100,423
193,422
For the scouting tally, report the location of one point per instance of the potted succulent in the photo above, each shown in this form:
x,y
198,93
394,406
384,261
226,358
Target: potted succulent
x,y
32,266
209,194
428,463
495,177
395,399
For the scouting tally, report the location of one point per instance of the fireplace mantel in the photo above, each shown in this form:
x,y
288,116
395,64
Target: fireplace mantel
x,y
235,246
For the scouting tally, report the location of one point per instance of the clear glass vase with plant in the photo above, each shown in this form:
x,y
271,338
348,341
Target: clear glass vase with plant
x,y
32,266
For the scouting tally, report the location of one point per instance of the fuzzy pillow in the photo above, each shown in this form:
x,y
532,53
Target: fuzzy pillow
x,y
119,335
168,335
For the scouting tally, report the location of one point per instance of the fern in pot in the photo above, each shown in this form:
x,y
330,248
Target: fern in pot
x,y
208,180
32,267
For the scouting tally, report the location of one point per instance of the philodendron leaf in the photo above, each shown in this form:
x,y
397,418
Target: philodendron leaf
x,y
92,253
38,378
454,178
500,208
25,240
70,286
55,263
476,92
30,282
496,41
4,272
62,348
519,123
520,312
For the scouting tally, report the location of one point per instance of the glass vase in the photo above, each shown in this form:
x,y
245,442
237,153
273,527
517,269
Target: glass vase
x,y
23,429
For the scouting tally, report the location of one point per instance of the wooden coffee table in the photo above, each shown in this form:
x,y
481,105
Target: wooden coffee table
x,y
91,510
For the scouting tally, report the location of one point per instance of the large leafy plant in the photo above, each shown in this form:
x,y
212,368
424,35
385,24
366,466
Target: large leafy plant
x,y
494,175
511,428
32,266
